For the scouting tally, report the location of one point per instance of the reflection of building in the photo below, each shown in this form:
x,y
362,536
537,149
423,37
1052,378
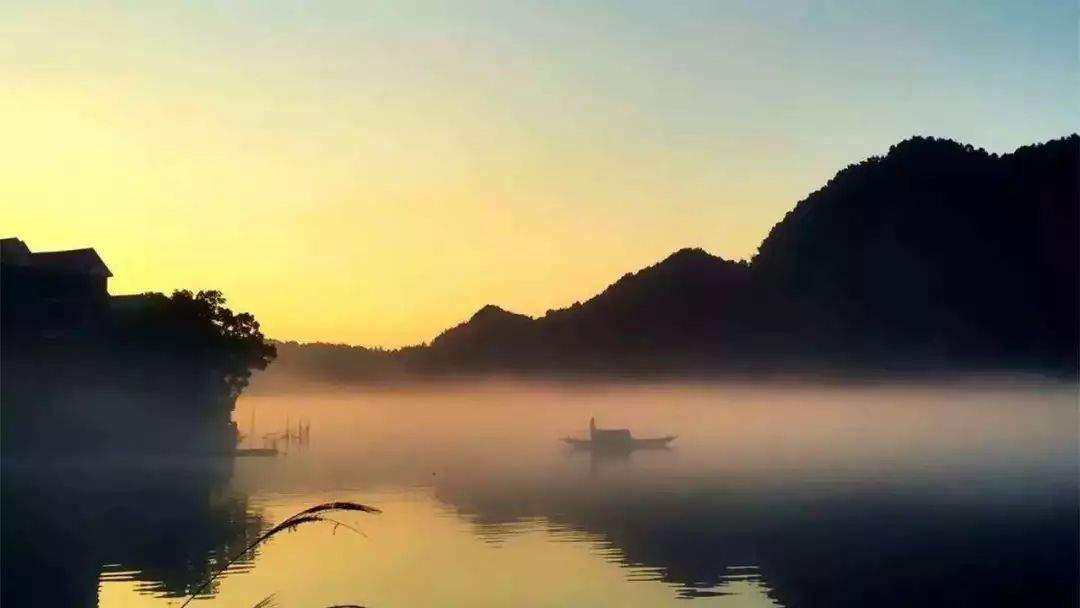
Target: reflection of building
x,y
52,294
164,528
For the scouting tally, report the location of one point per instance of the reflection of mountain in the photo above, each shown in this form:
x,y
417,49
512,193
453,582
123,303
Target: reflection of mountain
x,y
165,528
936,255
877,543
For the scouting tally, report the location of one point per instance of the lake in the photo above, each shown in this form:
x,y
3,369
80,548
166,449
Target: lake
x,y
774,494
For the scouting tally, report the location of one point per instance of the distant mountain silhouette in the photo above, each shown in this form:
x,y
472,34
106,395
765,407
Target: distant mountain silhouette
x,y
682,306
484,336
935,256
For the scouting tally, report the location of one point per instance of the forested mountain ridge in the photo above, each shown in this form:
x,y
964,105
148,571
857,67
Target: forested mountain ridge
x,y
936,255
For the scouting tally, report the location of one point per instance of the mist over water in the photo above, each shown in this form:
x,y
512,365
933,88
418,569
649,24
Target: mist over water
x,y
952,493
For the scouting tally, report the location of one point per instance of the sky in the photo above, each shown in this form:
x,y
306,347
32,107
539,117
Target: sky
x,y
375,172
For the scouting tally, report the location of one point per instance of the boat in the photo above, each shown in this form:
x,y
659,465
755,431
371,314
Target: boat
x,y
616,439
255,452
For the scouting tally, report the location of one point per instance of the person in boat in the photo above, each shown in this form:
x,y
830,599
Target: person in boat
x,y
617,439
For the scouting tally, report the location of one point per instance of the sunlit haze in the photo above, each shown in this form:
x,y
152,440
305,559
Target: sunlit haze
x,y
375,172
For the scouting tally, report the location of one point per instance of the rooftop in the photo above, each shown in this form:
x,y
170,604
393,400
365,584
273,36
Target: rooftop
x,y
77,261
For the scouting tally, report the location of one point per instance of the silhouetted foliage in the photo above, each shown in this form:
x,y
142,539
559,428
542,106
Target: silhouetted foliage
x,y
157,373
197,328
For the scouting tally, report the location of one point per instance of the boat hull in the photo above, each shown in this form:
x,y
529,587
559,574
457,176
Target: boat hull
x,y
255,452
650,443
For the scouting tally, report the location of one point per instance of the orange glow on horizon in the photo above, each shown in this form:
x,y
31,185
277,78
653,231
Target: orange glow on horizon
x,y
374,174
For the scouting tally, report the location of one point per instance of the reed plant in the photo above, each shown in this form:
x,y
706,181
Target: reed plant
x,y
317,513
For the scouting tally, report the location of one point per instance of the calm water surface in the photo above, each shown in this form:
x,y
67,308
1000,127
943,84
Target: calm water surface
x,y
779,495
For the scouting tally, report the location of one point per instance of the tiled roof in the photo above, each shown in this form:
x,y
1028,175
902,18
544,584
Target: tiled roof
x,y
82,261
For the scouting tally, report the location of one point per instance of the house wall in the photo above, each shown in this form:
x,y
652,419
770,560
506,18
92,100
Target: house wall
x,y
49,304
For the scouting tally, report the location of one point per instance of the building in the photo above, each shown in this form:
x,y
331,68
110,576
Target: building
x,y
52,294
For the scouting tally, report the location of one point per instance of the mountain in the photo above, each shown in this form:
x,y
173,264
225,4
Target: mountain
x,y
680,301
937,252
665,308
489,335
936,255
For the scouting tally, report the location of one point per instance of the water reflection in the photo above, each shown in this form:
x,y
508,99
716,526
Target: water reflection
x,y
162,525
847,543
834,496
890,530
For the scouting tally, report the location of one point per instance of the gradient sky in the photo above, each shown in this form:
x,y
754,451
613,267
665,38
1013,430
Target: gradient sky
x,y
374,172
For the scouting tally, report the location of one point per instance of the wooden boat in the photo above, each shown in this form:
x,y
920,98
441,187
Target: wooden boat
x,y
616,439
634,443
255,452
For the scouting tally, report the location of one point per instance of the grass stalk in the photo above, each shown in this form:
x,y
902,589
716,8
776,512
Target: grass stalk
x,y
307,516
